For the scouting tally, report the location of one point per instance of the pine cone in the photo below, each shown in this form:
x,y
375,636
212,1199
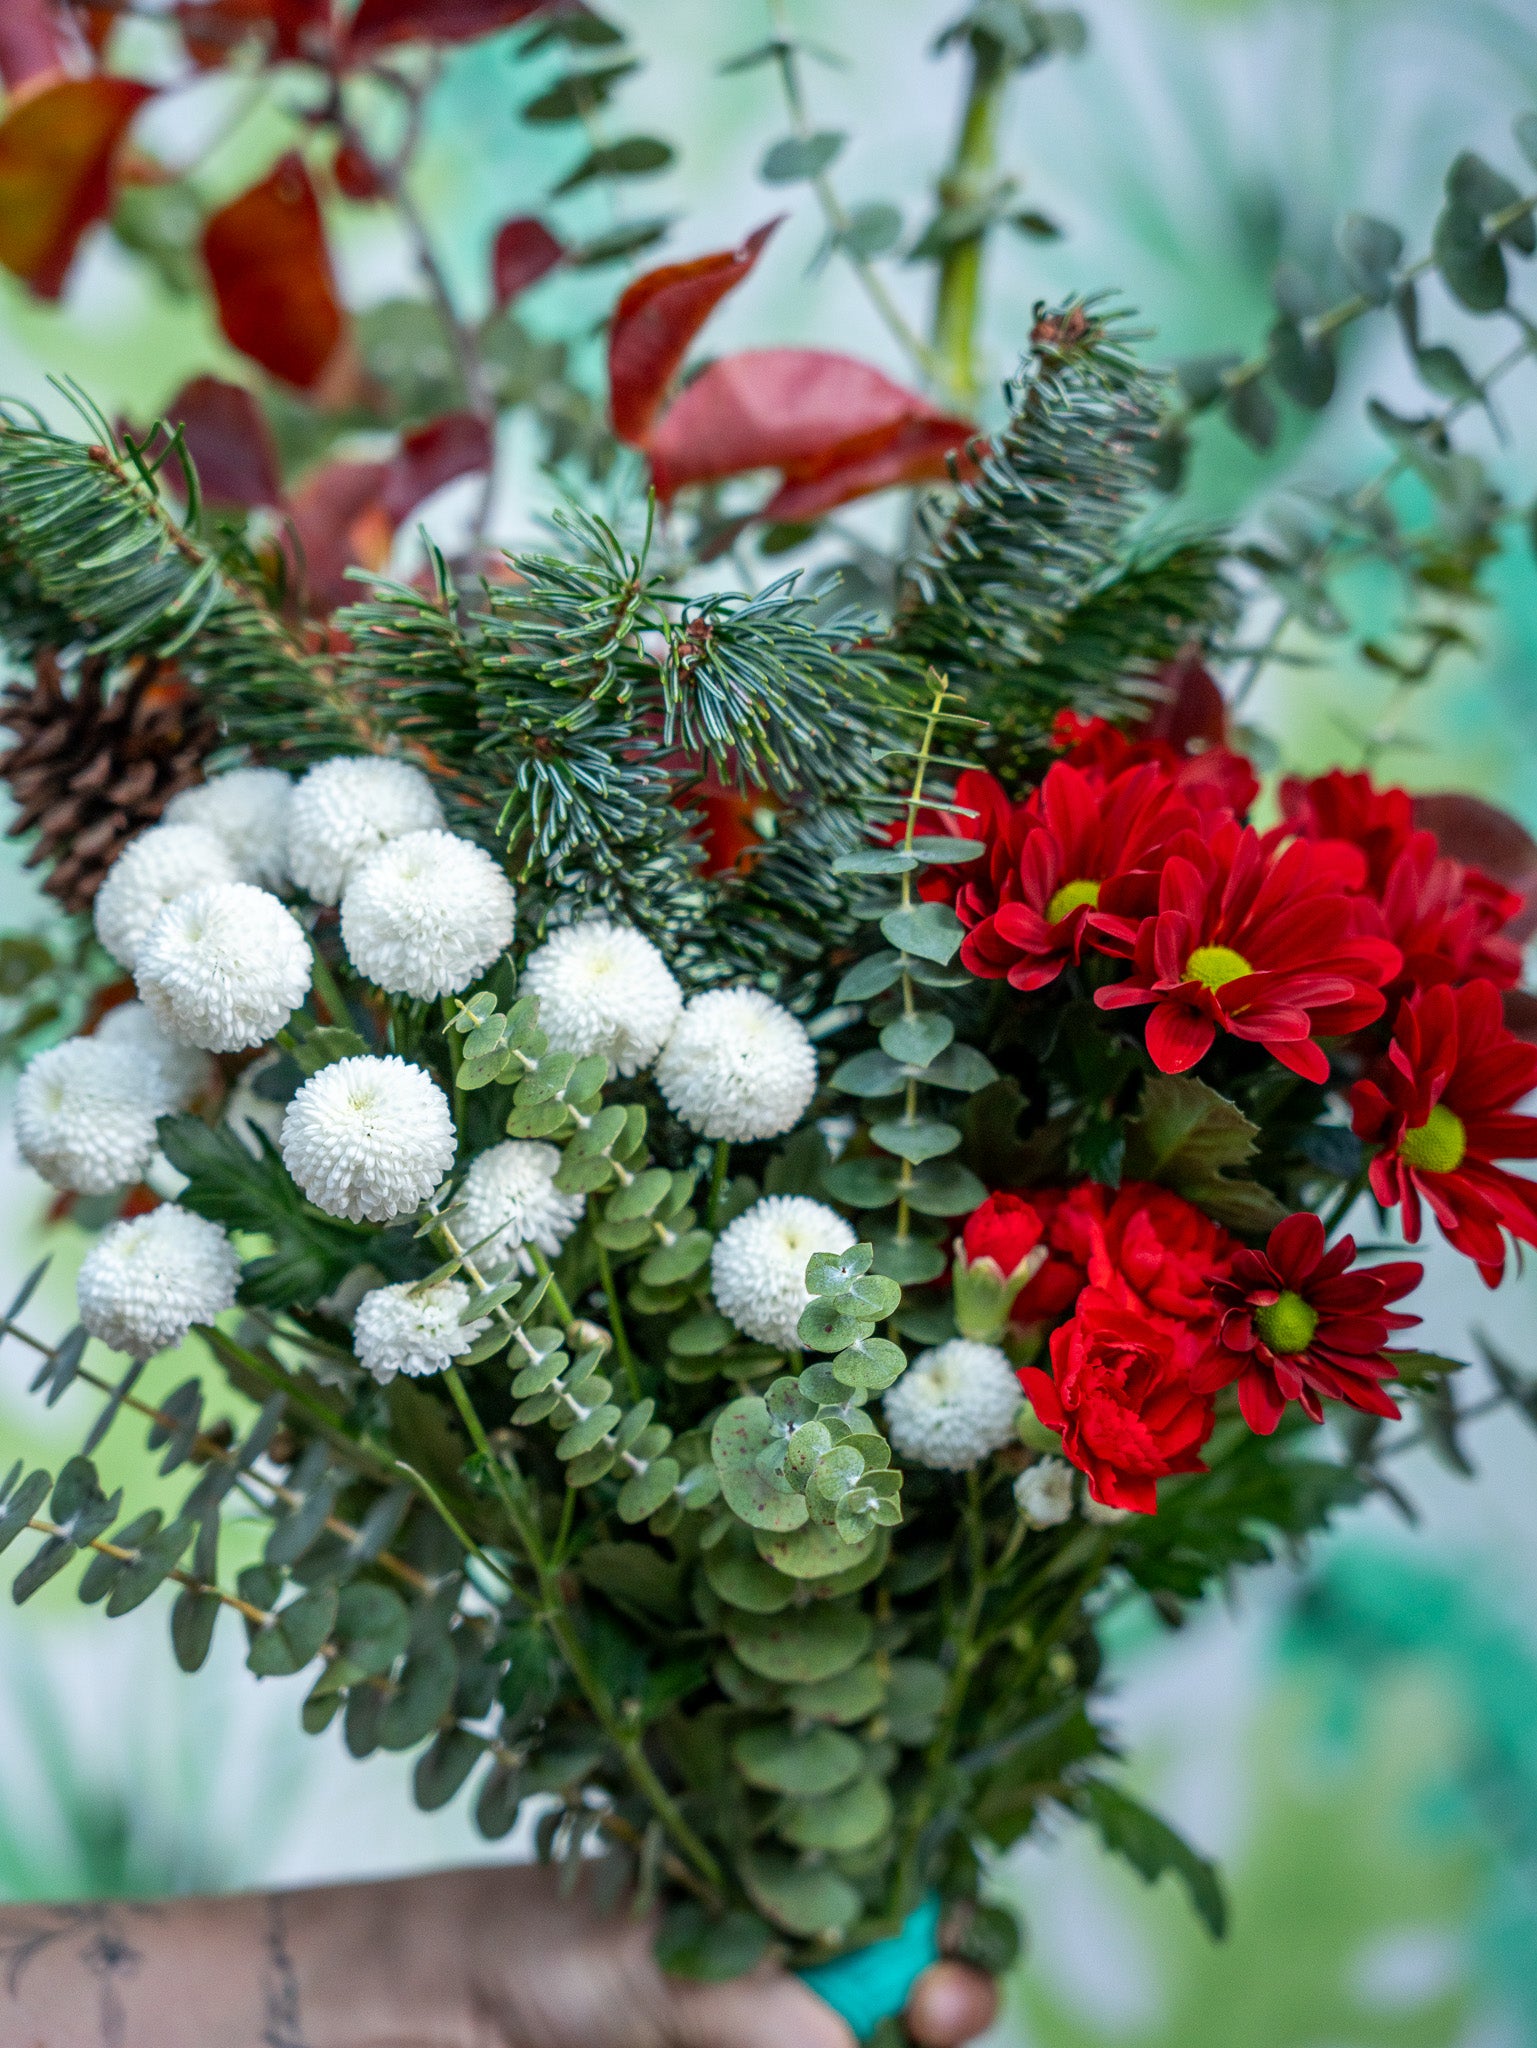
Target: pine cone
x,y
92,767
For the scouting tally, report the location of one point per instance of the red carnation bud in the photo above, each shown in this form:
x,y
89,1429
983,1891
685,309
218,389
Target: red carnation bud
x,y
1005,1229
1000,1250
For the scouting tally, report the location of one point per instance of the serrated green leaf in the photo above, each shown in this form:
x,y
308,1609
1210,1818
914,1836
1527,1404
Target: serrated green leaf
x,y
1187,1137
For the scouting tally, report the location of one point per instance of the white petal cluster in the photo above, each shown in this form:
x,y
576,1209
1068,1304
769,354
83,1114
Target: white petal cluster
x,y
150,872
174,1072
1043,1493
758,1267
247,810
603,988
509,1200
346,809
413,1329
368,1138
224,966
425,914
953,1405
144,1283
737,1066
85,1116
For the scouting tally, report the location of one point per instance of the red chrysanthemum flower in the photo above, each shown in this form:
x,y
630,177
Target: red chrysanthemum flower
x,y
1085,843
1352,810
1215,779
982,810
1248,938
1121,1390
1298,1325
1439,1108
1447,920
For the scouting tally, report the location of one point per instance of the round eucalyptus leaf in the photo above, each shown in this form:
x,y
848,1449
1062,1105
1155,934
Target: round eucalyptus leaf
x,y
807,1766
850,1819
801,1644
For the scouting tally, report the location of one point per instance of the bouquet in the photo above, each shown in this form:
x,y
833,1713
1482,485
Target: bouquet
x,y
745,1163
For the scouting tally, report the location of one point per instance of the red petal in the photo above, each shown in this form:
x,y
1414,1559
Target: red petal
x,y
57,145
266,254
1177,1037
1260,1402
523,252
379,23
806,412
228,439
655,320
338,523
457,444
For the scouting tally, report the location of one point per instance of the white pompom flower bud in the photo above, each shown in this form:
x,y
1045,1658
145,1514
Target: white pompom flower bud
x,y
953,1406
758,1267
144,1283
508,1200
346,809
1043,1493
603,988
174,1072
413,1329
224,967
248,810
426,914
368,1138
85,1116
737,1066
150,872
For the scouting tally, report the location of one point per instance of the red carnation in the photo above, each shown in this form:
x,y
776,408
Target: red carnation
x,y
1068,1219
1446,919
1251,939
1084,843
1298,1326
1164,1248
1351,809
1005,1229
1439,1108
1121,1390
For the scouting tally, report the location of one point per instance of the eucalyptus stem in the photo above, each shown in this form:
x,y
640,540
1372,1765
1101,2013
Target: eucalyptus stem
x,y
622,1349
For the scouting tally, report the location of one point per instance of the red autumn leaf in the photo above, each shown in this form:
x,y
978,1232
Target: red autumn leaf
x,y
457,444
229,442
655,320
32,41
1190,706
834,427
523,252
266,253
57,146
1481,835
378,23
346,514
213,29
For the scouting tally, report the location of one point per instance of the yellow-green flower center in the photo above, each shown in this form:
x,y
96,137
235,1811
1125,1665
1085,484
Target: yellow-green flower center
x,y
1216,966
1437,1145
1070,897
1287,1324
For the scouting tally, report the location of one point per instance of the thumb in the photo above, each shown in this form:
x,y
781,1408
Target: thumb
x,y
768,2009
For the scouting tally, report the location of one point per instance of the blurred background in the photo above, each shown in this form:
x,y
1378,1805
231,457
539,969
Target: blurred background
x,y
1355,1734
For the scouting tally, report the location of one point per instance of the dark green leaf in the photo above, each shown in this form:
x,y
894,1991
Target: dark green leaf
x,y
1152,1847
579,94
637,156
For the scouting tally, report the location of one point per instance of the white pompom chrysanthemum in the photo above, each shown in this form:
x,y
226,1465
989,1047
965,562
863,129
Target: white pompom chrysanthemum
x,y
737,1066
150,872
603,988
85,1116
145,1283
425,914
1043,1493
173,1071
509,1200
368,1138
346,809
758,1267
247,810
413,1329
953,1405
224,967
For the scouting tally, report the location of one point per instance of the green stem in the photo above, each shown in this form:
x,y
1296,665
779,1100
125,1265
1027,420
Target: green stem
x,y
967,182
553,1291
1347,1198
718,1170
556,1616
616,1320
326,988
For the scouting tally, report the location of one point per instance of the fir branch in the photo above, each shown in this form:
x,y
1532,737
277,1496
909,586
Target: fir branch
x,y
92,557
1042,525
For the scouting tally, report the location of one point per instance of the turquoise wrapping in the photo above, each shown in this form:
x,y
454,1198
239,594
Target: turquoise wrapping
x,y
873,1983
